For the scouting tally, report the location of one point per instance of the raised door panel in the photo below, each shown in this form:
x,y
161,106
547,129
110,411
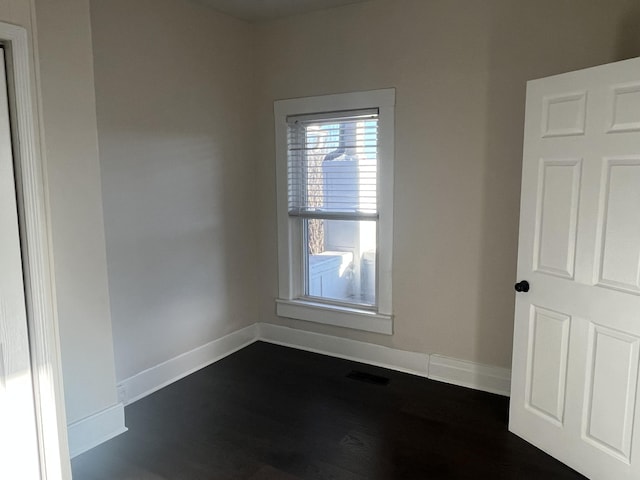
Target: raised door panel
x,y
547,363
618,249
625,108
564,114
611,391
556,216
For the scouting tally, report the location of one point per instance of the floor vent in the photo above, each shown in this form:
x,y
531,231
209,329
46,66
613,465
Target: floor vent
x,y
368,377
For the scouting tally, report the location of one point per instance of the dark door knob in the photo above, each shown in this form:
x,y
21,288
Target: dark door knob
x,y
522,286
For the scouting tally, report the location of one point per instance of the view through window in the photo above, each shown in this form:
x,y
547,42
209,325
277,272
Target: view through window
x,y
332,188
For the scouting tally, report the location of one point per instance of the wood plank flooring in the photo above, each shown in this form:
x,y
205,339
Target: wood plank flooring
x,y
269,412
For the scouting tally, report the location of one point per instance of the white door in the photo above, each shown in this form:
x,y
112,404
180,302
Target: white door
x,y
18,439
577,330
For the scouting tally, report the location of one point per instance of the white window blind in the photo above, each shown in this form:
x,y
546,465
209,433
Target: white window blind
x,y
333,165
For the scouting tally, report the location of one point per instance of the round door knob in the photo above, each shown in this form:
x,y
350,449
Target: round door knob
x,y
522,286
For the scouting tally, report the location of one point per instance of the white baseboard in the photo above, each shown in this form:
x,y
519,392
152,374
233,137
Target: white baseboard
x,y
95,429
436,367
403,361
470,374
154,378
90,432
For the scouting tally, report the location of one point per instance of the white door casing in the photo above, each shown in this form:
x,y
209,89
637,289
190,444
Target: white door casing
x,y
19,456
36,253
576,345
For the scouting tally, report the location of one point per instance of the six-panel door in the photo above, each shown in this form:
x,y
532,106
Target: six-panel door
x,y
577,331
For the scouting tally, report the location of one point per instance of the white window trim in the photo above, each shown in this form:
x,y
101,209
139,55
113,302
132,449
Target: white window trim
x,y
289,304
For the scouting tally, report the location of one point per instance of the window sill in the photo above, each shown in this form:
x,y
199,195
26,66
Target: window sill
x,y
337,316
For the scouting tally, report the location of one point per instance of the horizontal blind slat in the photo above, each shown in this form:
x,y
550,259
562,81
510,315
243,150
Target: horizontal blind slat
x,y
332,168
335,215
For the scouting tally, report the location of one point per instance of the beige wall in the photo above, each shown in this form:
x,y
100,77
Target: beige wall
x,y
176,93
460,68
17,12
75,202
173,88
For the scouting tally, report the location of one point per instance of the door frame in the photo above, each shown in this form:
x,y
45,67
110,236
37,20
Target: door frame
x,y
44,340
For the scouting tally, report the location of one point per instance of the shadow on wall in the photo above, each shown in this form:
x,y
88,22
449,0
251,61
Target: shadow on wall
x,y
177,176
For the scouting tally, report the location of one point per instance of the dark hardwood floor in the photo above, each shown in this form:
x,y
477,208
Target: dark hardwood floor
x,y
269,412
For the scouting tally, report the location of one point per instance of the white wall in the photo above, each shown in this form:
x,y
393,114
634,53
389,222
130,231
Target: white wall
x,y
64,114
459,68
72,168
173,88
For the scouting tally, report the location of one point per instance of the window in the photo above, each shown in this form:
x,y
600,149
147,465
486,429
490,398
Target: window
x,y
335,205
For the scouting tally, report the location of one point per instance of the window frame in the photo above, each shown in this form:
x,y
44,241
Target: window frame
x,y
290,246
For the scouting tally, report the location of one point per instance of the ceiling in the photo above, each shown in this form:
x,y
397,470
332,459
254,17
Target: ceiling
x,y
256,10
